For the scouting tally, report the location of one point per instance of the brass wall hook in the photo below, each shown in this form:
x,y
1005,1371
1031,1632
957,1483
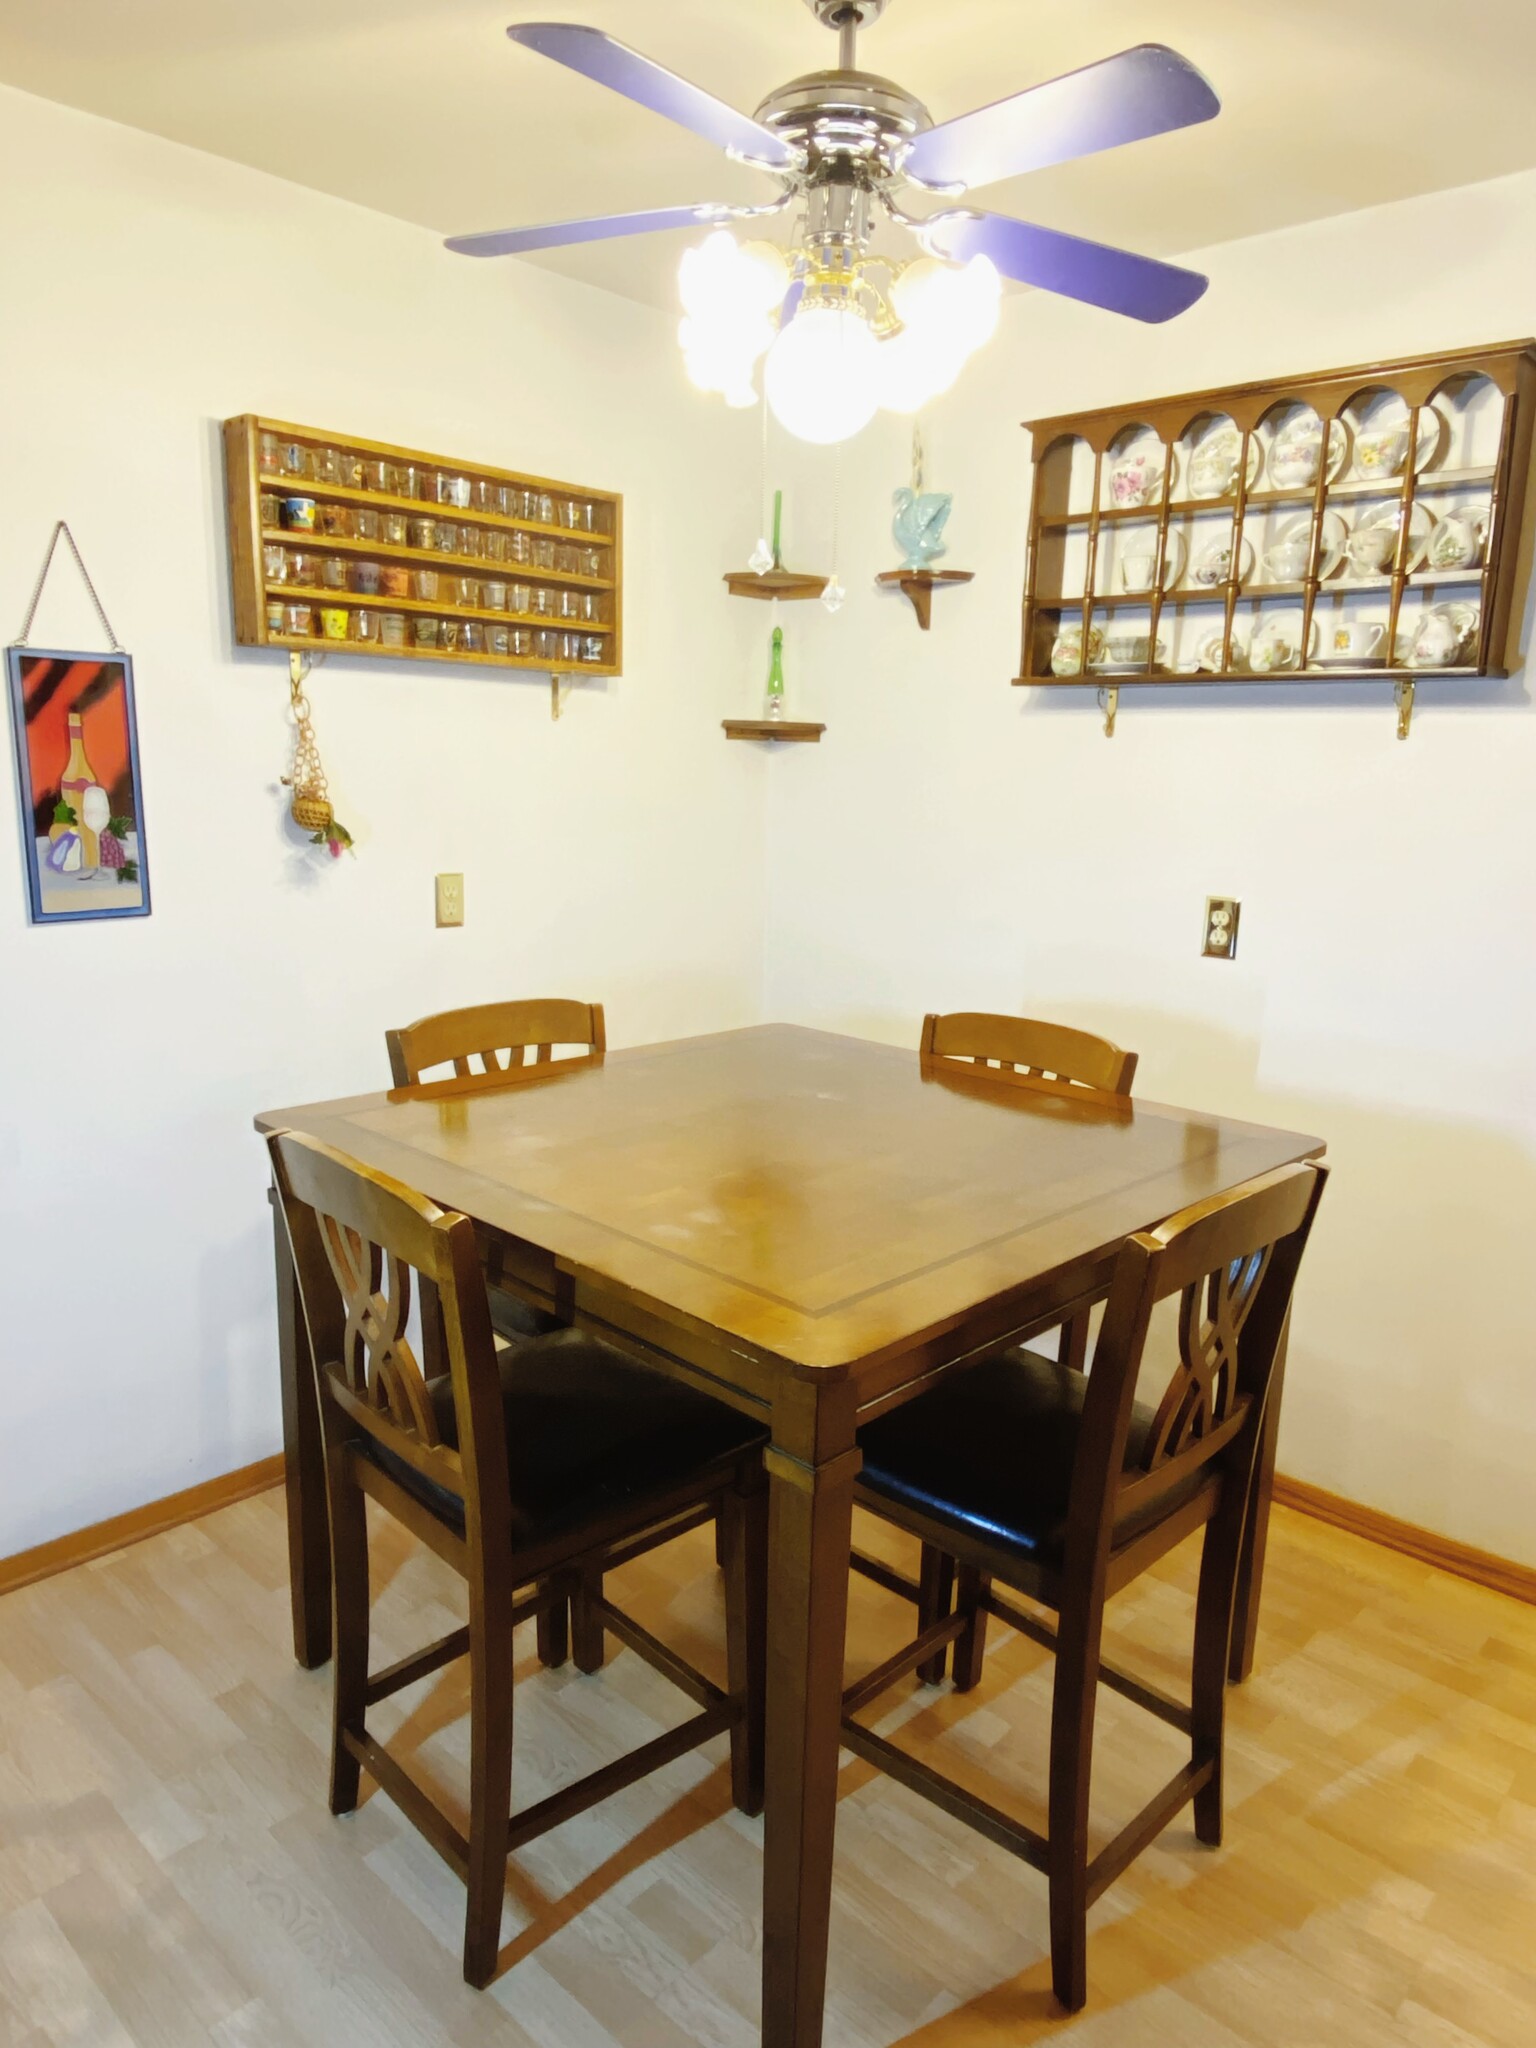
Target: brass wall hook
x,y
1402,690
1109,704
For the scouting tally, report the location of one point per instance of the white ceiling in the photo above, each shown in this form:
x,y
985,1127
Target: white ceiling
x,y
424,110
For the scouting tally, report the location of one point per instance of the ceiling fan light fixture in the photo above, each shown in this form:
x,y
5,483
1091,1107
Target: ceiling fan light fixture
x,y
821,373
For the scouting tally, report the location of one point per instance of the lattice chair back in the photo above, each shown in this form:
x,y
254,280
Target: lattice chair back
x,y
1055,1056
496,1038
363,1244
1232,1261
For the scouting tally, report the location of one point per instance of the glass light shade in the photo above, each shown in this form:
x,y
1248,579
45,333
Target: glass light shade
x,y
764,274
914,367
710,280
720,356
820,374
953,303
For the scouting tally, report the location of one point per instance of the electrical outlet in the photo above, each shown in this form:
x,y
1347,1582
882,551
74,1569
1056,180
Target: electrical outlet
x,y
1221,915
450,899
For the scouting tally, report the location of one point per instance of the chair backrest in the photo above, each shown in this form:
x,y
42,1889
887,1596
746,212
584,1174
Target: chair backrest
x,y
359,1239
497,1035
1232,1260
1052,1055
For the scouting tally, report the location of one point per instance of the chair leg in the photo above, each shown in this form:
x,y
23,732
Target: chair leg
x,y
553,1625
971,1644
721,1540
1072,1712
490,1773
1073,1350
936,1585
587,1635
349,1625
1215,1605
743,1522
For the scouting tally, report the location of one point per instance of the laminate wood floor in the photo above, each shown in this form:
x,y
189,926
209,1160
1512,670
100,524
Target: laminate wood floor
x,y
169,1873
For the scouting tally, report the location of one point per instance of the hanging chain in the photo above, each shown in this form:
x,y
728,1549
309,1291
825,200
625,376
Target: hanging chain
x,y
37,594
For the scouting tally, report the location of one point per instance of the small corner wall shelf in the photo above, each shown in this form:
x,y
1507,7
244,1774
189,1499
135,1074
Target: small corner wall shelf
x,y
419,557
770,729
1340,526
920,584
786,584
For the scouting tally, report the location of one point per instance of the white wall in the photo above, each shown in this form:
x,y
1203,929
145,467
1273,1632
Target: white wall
x,y
951,842
955,843
151,292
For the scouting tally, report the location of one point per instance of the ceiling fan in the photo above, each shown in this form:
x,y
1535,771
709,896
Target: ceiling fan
x,y
843,144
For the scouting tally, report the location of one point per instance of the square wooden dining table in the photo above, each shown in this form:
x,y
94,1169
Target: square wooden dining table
x,y
812,1228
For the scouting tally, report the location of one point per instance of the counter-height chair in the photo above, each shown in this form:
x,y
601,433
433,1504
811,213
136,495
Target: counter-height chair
x,y
521,1469
1065,1488
1058,1060
496,1039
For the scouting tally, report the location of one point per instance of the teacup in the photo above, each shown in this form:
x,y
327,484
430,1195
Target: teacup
x,y
1382,452
1287,560
1126,650
1355,640
1371,549
1134,479
1137,570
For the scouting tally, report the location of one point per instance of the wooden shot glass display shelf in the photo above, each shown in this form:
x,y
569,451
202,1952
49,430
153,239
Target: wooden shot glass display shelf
x,y
1269,533
250,479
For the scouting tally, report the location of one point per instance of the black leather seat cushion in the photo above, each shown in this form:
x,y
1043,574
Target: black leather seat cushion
x,y
588,1430
990,1453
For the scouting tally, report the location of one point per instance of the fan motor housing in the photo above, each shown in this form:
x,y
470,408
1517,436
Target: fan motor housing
x,y
855,116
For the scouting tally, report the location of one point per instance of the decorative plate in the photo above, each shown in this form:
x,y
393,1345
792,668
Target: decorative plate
x,y
1286,557
1277,643
1208,651
1213,462
1213,564
1293,454
1137,554
1372,547
1457,539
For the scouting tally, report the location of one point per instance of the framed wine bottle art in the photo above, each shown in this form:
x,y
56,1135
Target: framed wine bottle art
x,y
77,767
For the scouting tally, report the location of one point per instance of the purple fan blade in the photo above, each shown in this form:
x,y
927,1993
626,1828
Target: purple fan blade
x,y
1116,279
602,227
599,57
1145,91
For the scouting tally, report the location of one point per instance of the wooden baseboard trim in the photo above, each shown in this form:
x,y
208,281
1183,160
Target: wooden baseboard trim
x,y
1503,1574
119,1531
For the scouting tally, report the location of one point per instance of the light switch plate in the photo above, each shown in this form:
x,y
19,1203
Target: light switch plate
x,y
1221,916
450,899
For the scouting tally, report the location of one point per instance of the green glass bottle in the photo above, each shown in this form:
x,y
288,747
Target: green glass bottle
x,y
773,704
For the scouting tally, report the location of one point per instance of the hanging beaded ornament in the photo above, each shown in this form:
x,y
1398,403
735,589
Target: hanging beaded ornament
x,y
310,806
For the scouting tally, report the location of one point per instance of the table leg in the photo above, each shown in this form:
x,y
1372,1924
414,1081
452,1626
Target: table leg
x,y
810,1535
309,1534
1250,1566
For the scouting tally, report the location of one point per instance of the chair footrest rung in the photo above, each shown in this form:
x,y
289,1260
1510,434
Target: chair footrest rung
x,y
1146,1827
418,1807
918,1651
420,1664
659,1657
561,1806
1151,1698
943,1792
887,1576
